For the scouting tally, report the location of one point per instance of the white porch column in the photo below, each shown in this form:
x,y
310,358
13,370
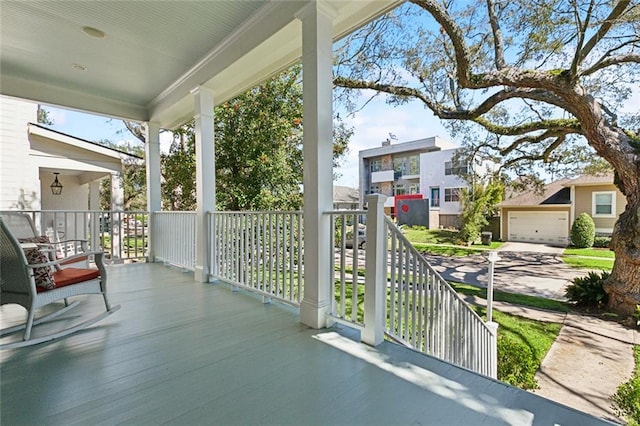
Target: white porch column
x,y
317,63
117,206
154,198
205,177
375,291
94,205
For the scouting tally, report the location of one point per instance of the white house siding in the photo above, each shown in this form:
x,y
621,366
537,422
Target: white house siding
x,y
432,175
19,181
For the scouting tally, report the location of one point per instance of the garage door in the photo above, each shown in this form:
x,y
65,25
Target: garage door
x,y
539,227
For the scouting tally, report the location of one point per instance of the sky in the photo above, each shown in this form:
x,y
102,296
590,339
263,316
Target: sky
x,y
376,122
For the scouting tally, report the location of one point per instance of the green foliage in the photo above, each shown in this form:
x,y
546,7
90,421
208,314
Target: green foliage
x,y
583,231
44,117
134,178
478,205
588,290
602,242
258,137
516,363
626,400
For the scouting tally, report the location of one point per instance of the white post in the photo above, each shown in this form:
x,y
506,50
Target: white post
x,y
205,178
117,206
493,326
375,280
94,220
493,258
317,63
154,203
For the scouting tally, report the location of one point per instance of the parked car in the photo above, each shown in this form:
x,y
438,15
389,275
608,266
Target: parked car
x,y
362,238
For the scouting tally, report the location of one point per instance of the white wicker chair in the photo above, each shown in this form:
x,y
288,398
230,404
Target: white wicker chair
x,y
18,286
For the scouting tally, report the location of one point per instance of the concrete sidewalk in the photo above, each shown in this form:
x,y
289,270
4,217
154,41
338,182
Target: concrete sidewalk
x,y
587,362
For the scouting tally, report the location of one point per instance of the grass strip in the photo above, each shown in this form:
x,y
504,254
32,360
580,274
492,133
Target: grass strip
x,y
588,263
516,299
590,252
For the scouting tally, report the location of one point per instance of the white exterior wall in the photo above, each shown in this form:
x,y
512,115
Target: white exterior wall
x,y
432,175
19,180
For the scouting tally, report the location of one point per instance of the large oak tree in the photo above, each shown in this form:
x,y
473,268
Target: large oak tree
x,y
548,80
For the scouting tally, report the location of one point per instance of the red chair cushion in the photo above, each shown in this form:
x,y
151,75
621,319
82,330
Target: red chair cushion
x,y
69,276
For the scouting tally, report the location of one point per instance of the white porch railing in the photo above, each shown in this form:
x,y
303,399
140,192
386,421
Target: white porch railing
x,y
122,235
175,238
260,251
418,308
348,263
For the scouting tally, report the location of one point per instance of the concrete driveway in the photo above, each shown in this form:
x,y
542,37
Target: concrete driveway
x,y
534,269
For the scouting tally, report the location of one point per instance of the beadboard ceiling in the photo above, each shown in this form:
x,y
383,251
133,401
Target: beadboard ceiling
x,y
154,52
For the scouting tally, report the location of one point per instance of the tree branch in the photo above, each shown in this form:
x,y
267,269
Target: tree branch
x,y
582,29
497,36
462,54
612,60
607,24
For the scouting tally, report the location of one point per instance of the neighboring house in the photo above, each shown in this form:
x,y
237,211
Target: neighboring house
x,y
547,216
345,198
31,154
423,167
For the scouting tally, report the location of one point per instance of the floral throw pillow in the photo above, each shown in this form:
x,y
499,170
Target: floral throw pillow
x,y
43,276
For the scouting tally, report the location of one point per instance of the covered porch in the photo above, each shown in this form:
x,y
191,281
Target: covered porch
x,y
183,352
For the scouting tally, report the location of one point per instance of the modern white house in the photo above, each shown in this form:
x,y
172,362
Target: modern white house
x,y
187,346
424,167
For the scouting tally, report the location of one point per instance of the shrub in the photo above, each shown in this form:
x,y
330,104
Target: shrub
x,y
602,242
583,231
589,290
626,400
516,364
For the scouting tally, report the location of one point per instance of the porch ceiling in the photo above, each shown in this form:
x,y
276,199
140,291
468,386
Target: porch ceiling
x,y
153,53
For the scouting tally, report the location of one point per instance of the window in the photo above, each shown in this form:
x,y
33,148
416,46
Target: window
x,y
435,197
375,165
604,204
414,188
414,165
452,194
455,168
374,188
399,166
399,189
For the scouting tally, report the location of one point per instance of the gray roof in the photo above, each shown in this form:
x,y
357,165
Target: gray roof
x,y
344,194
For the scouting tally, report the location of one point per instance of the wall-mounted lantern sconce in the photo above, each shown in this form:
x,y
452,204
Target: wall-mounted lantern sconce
x,y
56,186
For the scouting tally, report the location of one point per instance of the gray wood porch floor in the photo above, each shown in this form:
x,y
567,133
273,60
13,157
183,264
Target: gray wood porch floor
x,y
180,352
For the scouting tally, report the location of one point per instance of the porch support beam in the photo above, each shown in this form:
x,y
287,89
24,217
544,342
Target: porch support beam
x,y
117,206
154,199
318,161
205,177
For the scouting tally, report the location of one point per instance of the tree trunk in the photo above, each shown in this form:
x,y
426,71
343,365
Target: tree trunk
x,y
623,286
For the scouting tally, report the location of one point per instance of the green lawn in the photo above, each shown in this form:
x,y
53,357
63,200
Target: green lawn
x,y
517,299
589,263
590,252
589,258
443,242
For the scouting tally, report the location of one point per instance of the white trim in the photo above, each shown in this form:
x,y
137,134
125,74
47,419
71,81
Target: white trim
x,y
604,230
572,197
613,203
